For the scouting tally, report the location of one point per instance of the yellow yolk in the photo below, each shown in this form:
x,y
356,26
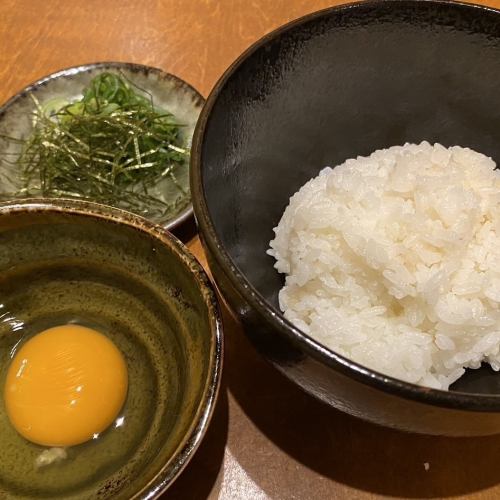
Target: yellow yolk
x,y
65,385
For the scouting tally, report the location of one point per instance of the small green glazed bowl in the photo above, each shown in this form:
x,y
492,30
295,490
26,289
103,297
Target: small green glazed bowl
x,y
65,261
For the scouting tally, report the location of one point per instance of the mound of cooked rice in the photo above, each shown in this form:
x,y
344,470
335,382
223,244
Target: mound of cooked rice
x,y
393,260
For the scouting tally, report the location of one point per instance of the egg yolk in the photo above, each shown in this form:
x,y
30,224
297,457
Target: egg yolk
x,y
65,385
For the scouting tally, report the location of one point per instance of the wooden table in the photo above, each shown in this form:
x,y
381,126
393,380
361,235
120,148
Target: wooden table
x,y
267,438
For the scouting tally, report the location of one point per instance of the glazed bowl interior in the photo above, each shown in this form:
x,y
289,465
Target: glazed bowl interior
x,y
73,262
337,84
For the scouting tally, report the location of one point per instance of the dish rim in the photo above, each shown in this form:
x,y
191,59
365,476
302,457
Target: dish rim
x,y
474,402
173,467
199,100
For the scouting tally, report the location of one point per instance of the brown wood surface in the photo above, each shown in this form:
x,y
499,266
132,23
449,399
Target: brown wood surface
x,y
267,439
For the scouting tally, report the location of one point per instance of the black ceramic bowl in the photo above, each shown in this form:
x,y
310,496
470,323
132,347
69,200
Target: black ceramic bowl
x,y
333,85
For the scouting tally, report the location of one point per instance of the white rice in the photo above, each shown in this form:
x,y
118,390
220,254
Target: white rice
x,y
393,260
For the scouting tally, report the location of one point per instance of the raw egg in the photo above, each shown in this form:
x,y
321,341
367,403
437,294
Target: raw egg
x,y
65,385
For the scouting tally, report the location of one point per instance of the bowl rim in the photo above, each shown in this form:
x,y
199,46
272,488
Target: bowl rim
x,y
176,463
447,399
69,71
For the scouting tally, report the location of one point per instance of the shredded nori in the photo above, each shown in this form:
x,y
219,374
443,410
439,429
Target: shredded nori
x,y
113,146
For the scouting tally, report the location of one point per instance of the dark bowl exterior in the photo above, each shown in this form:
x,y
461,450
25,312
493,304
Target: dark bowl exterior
x,y
333,85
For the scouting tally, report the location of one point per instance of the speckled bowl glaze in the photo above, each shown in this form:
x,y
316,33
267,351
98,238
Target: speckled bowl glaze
x,y
333,85
169,92
68,261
